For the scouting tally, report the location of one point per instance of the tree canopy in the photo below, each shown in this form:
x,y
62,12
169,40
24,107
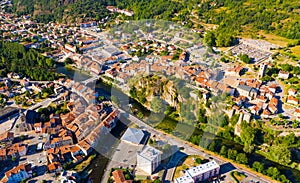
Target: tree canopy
x,y
29,63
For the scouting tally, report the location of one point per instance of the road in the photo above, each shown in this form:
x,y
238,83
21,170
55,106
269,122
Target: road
x,y
188,148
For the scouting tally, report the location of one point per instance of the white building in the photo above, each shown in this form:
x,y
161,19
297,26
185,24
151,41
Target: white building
x,y
185,179
148,159
262,70
283,75
200,173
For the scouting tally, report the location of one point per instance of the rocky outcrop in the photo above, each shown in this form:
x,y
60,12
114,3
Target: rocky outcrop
x,y
151,86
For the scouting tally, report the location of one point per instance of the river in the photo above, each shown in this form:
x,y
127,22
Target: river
x,y
99,164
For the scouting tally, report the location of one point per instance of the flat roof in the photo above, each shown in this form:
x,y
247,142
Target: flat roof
x,y
185,179
7,110
149,153
198,170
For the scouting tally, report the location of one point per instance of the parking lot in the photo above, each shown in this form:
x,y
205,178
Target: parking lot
x,y
125,155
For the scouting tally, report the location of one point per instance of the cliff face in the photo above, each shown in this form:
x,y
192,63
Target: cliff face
x,y
151,86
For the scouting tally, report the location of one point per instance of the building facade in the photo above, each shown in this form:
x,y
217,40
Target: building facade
x,y
148,159
200,173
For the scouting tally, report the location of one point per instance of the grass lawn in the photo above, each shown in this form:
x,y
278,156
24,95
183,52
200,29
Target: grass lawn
x,y
237,176
190,161
281,41
296,50
272,38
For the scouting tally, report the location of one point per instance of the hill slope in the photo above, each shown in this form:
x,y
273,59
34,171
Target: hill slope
x,y
233,16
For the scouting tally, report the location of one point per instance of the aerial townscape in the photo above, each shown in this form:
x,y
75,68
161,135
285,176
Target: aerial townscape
x,y
142,91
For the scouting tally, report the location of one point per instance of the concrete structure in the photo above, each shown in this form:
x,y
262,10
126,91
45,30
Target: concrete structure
x,y
185,179
133,136
7,112
148,159
262,70
200,173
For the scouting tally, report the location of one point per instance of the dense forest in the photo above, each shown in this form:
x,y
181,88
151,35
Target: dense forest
x,y
278,16
60,11
15,58
233,17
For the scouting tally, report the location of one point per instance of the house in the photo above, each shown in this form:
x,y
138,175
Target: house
x,y
148,159
70,48
266,113
292,100
273,88
24,82
255,110
118,176
85,147
37,127
37,88
283,75
297,113
17,174
235,71
3,154
7,137
292,92
54,167
111,120
95,68
247,91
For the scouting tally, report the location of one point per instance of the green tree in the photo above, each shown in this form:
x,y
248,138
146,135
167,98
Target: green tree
x,y
140,115
224,40
198,160
295,123
127,177
248,133
231,154
13,158
27,93
245,58
223,151
68,61
157,105
100,98
258,166
209,39
39,95
242,158
280,154
273,172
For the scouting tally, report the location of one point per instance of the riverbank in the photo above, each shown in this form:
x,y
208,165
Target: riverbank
x,y
168,126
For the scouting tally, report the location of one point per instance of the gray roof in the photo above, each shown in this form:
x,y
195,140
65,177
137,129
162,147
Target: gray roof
x,y
244,87
133,135
149,153
7,111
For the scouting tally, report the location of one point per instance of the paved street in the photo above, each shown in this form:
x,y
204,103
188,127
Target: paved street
x,y
188,148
